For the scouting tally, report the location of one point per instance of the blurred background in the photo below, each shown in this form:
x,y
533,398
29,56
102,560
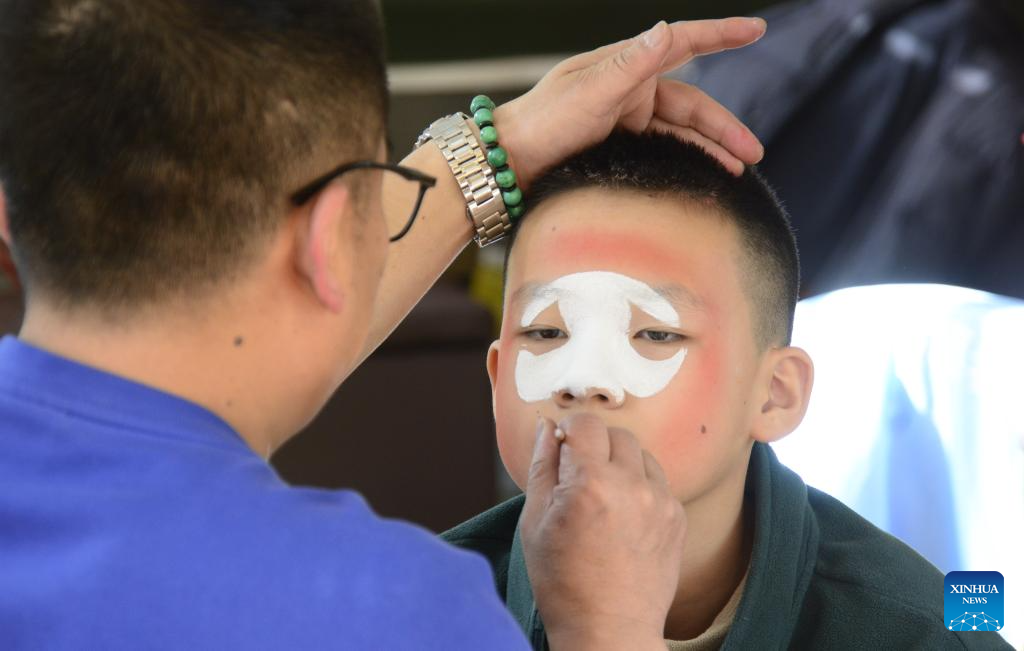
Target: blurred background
x,y
895,136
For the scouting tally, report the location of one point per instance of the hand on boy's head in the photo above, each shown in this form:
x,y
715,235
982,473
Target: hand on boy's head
x,y
581,100
602,535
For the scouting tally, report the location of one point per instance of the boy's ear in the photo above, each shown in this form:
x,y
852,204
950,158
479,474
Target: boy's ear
x,y
321,257
492,371
784,391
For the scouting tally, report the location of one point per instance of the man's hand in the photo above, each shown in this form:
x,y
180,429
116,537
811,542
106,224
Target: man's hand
x,y
575,105
582,99
603,538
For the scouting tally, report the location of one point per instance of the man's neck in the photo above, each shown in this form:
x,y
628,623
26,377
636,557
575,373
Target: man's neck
x,y
213,362
715,559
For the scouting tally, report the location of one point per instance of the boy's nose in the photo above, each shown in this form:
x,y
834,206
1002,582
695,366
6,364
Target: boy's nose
x,y
593,396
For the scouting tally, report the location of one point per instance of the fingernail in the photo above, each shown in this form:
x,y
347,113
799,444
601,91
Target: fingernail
x,y
760,22
655,35
559,434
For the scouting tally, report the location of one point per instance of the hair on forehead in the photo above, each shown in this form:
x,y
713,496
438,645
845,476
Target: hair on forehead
x,y
661,164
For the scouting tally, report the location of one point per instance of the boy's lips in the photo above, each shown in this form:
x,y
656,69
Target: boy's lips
x,y
561,413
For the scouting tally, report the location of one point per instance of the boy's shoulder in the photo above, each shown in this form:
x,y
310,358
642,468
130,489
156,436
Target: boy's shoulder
x,y
857,554
491,534
869,586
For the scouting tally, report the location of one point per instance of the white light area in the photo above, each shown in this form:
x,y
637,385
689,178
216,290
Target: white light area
x,y
972,80
908,46
960,355
497,74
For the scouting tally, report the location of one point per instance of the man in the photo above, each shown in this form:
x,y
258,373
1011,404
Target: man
x,y
199,281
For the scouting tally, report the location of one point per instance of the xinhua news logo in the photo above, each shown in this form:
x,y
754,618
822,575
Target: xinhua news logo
x,y
974,601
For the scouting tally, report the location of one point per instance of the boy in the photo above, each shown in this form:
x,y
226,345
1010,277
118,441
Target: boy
x,y
652,289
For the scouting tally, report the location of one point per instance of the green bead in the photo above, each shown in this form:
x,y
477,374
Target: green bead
x,y
479,102
512,197
506,179
497,157
489,135
483,117
515,212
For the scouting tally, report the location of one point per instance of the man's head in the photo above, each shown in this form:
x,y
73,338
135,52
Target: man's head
x,y
149,146
650,286
148,149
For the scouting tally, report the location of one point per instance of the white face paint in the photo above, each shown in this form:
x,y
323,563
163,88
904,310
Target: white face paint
x,y
596,307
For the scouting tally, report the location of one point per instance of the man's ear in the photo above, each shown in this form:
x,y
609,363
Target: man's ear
x,y
5,227
784,391
321,241
492,373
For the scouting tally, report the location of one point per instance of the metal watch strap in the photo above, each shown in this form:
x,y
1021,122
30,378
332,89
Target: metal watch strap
x,y
468,162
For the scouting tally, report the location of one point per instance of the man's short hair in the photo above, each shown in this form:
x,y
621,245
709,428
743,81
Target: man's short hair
x,y
147,147
661,164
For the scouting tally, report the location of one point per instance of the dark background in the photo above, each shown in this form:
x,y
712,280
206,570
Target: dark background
x,y
417,30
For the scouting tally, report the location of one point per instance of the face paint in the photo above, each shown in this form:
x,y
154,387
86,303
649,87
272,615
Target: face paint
x,y
596,307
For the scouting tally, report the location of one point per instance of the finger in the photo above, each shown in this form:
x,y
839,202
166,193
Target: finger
x,y
688,106
733,164
595,56
544,467
693,38
625,450
592,57
621,71
653,469
690,38
587,437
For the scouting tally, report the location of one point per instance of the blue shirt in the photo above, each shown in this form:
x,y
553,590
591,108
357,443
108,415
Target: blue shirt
x,y
131,519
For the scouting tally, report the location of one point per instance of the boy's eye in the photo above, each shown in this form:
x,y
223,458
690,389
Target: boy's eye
x,y
545,333
659,336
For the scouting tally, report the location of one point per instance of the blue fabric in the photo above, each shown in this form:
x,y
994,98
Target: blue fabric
x,y
131,519
922,512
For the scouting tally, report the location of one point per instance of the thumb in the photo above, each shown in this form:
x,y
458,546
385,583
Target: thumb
x,y
544,467
636,63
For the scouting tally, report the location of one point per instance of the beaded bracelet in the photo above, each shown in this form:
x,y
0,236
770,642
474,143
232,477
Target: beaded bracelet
x,y
482,108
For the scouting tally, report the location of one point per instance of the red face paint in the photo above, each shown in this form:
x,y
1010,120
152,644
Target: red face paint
x,y
595,250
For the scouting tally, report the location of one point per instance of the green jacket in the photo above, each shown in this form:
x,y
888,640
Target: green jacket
x,y
821,577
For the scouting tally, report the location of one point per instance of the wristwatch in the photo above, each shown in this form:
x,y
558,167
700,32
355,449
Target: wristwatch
x,y
468,162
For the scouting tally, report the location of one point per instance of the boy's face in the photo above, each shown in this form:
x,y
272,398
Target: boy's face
x,y
629,307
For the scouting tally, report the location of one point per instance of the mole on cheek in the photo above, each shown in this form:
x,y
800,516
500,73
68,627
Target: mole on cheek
x,y
239,341
703,430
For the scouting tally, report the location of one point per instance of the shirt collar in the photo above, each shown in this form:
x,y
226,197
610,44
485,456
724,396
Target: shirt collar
x,y
37,376
782,558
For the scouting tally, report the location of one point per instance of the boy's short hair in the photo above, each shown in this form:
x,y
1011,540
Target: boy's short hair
x,y
658,163
147,147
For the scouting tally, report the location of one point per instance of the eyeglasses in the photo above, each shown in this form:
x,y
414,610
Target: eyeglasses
x,y
401,224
